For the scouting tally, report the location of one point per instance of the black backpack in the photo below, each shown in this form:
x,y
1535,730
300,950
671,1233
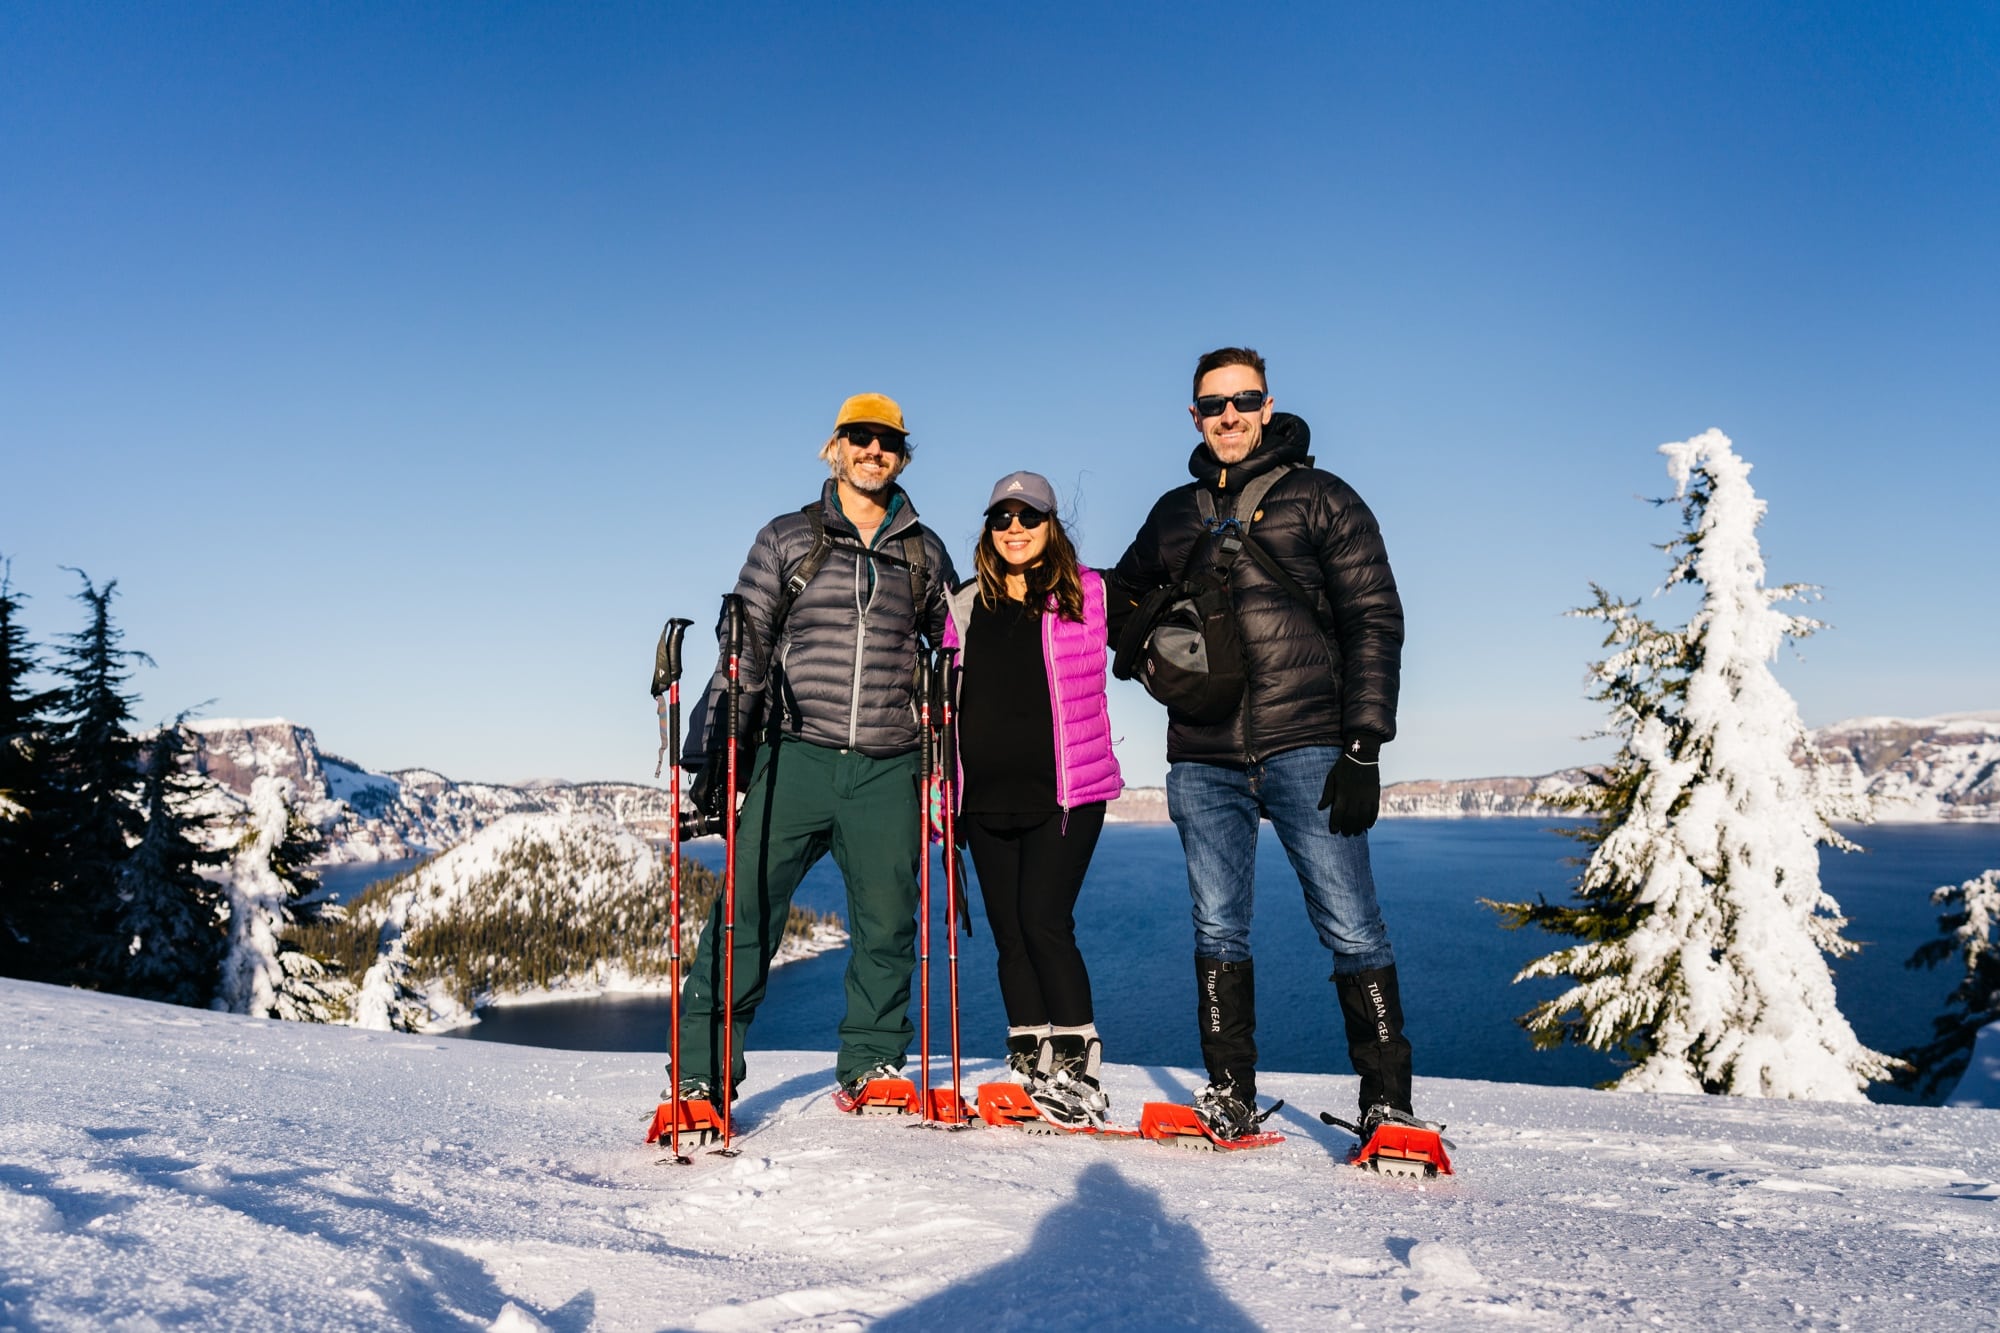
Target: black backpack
x,y
1181,642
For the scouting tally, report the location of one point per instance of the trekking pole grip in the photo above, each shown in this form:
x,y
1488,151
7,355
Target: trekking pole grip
x,y
733,615
670,651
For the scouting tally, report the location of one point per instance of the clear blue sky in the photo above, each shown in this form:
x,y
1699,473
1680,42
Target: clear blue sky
x,y
408,365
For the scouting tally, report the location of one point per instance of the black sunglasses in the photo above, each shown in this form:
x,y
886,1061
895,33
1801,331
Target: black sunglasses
x,y
1250,400
999,520
859,436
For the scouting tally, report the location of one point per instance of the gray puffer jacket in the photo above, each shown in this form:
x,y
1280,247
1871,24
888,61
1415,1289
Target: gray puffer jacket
x,y
844,668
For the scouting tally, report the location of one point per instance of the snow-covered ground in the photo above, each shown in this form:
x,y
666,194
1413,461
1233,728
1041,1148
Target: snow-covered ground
x,y
164,1167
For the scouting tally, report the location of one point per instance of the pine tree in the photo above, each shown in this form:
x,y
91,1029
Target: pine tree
x,y
27,835
169,916
1971,929
388,999
1704,927
270,885
96,767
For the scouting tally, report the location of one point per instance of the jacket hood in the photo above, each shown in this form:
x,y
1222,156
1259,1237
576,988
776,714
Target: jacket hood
x,y
1286,440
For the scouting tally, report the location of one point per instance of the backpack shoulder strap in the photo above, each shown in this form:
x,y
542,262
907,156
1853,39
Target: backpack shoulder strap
x,y
1253,495
1233,533
918,561
802,573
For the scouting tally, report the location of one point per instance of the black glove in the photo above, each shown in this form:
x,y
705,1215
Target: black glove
x,y
1354,788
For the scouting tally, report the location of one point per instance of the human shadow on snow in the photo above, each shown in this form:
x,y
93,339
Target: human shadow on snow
x,y
1110,1257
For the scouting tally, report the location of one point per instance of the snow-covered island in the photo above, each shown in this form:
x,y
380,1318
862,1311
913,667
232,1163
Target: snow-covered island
x,y
546,905
163,1167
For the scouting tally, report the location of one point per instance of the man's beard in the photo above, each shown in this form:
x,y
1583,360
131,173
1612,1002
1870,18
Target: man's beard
x,y
870,483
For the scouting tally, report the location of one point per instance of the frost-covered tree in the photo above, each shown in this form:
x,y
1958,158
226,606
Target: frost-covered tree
x,y
169,917
270,886
27,841
1705,932
388,999
1970,925
95,769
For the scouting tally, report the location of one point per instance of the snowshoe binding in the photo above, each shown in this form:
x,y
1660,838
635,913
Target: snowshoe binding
x,y
1393,1142
1069,1094
700,1123
1024,1059
881,1091
1060,1093
1224,1117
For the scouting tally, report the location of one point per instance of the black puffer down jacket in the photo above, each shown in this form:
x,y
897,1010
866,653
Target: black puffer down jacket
x,y
1305,687
847,655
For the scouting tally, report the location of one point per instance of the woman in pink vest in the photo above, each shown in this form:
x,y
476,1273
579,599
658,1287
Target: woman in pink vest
x,y
1036,765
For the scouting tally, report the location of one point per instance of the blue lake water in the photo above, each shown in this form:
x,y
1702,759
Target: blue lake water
x,y
339,883
1455,960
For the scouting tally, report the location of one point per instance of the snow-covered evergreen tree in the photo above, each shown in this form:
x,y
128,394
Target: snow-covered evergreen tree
x,y
1971,929
169,918
1705,930
27,835
387,1000
265,973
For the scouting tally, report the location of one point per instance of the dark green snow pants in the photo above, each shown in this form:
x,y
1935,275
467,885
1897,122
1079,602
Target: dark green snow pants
x,y
803,802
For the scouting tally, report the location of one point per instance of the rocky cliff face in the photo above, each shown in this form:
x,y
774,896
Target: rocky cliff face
x,y
1922,770
1918,770
1479,798
369,816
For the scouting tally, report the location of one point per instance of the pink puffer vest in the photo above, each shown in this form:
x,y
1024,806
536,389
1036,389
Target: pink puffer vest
x,y
1074,654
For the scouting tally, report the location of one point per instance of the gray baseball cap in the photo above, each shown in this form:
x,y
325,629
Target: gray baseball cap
x,y
1030,488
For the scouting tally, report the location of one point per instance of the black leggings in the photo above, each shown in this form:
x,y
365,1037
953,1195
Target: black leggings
x,y
1030,869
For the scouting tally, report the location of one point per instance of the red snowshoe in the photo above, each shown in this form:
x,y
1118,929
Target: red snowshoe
x,y
700,1123
1007,1104
878,1096
942,1110
1396,1145
1171,1122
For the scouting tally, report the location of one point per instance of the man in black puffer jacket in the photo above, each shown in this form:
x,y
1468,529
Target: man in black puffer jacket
x,y
832,700
1322,660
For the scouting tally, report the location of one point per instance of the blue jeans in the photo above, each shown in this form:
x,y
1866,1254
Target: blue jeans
x,y
1217,809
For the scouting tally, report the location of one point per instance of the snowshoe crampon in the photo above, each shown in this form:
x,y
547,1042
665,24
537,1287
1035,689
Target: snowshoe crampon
x,y
700,1124
1005,1104
880,1096
1170,1122
1407,1152
942,1111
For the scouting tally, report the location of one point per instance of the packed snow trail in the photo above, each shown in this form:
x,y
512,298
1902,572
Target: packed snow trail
x,y
164,1167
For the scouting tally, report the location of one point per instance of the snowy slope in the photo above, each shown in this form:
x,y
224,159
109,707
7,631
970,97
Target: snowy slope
x,y
593,857
171,1168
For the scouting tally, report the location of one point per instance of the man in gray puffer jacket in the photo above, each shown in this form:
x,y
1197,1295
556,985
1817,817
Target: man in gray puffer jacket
x,y
831,703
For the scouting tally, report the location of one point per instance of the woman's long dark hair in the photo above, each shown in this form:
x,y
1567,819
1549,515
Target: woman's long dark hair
x,y
1056,574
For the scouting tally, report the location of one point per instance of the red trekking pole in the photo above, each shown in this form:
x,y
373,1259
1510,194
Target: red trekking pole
x,y
732,621
953,875
927,749
667,690
676,1115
